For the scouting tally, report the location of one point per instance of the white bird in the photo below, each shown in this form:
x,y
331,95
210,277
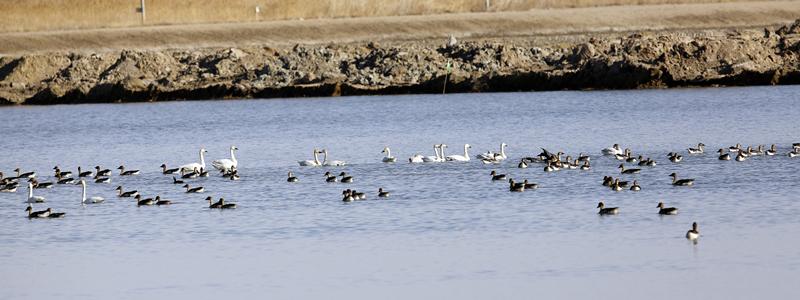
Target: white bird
x,y
226,165
464,157
417,158
325,161
388,158
494,157
187,168
31,197
613,150
311,163
436,154
90,200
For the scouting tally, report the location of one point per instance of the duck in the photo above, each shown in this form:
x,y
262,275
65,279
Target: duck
x,y
496,176
330,178
347,196
101,173
9,188
122,171
530,186
693,233
345,178
666,210
226,164
616,186
226,205
522,164
176,181
586,166
166,171
217,204
462,158
160,202
741,156
61,174
37,214
551,167
735,148
675,157
635,187
198,189
31,197
651,162
191,175
101,180
202,173
682,182
234,175
699,150
335,163
24,175
82,173
90,200
632,159
583,157
771,151
359,196
40,185
516,187
628,171
68,180
795,152
54,215
613,150
624,155
607,210
195,166
121,193
608,180
292,178
759,150
388,158
723,155
382,193
140,201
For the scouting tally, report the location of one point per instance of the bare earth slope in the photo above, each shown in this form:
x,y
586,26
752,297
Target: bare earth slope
x,y
586,48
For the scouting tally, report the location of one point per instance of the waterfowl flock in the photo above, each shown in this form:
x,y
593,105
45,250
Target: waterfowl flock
x,y
228,169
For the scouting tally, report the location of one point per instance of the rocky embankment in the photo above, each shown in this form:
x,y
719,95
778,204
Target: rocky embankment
x,y
651,60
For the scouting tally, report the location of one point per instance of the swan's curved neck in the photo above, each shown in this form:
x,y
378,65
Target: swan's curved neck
x,y
316,157
83,194
325,156
202,159
441,150
233,157
388,152
503,149
466,153
30,190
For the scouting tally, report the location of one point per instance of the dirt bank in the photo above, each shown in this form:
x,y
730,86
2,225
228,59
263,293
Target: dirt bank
x,y
750,57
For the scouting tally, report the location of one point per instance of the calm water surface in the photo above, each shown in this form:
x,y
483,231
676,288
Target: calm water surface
x,y
446,232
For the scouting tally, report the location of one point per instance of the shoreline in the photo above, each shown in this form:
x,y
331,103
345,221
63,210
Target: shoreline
x,y
664,59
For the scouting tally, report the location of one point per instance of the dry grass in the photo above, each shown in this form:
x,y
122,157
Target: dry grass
x,y
38,15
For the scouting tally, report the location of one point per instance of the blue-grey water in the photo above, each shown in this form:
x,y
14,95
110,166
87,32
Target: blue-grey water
x,y
447,231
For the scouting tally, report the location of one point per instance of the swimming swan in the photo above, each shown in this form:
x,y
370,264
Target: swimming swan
x,y
311,163
325,161
31,197
192,166
226,164
90,200
388,158
465,157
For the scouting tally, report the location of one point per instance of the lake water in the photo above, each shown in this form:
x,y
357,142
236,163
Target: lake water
x,y
447,231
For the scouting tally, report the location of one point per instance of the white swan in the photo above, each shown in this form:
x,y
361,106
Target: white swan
x,y
417,158
311,163
31,197
325,161
436,154
226,165
465,157
90,200
613,150
491,156
388,158
192,166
